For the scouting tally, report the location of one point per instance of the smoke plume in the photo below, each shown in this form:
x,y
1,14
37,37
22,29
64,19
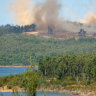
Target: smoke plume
x,y
43,14
90,19
22,12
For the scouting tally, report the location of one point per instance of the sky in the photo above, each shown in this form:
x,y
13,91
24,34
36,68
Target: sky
x,y
71,10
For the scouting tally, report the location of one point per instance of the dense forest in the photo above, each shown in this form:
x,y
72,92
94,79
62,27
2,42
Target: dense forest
x,y
16,49
78,66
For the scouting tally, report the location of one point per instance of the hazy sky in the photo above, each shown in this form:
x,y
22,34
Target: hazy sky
x,y
71,9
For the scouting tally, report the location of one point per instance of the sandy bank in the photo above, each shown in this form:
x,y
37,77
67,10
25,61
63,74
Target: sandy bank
x,y
17,66
61,91
70,92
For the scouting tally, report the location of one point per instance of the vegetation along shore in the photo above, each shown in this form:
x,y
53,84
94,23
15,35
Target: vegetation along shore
x,y
76,73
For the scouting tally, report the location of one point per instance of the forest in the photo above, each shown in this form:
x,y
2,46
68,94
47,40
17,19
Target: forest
x,y
16,49
78,66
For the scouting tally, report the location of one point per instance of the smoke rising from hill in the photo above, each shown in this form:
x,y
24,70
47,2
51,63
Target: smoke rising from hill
x,y
43,14
46,14
21,11
90,19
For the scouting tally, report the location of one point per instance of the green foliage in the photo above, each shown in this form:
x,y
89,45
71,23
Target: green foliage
x,y
7,29
31,82
82,66
9,86
1,85
16,49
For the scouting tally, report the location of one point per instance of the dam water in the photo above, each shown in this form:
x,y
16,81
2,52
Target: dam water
x,y
5,71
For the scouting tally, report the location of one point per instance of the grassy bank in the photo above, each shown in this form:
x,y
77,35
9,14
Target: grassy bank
x,y
65,86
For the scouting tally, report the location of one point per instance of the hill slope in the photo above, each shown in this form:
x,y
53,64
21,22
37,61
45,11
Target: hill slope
x,y
16,49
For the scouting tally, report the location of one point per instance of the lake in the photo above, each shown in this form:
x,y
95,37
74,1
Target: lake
x,y
4,71
40,94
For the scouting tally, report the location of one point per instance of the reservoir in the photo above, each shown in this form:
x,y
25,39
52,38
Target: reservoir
x,y
5,71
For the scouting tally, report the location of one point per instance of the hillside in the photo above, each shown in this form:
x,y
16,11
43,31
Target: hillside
x,y
70,30
16,49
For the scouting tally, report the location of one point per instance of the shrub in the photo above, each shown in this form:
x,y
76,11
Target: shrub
x,y
21,85
64,84
1,85
9,86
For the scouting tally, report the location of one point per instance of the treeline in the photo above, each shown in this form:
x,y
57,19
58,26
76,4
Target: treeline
x,y
16,49
7,29
78,66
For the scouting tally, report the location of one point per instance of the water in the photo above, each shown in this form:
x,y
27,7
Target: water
x,y
40,94
4,71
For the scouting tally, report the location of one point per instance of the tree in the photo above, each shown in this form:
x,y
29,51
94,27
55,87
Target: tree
x,y
31,82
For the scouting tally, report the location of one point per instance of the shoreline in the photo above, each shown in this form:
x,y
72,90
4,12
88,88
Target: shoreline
x,y
69,92
18,66
60,91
